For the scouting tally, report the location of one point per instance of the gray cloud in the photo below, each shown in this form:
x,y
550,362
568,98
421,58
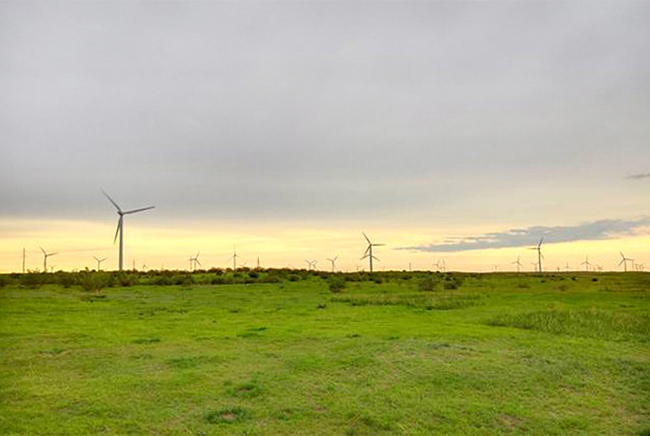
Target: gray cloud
x,y
603,229
639,176
294,109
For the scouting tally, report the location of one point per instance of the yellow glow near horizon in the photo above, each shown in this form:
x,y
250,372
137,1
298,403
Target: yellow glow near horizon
x,y
280,246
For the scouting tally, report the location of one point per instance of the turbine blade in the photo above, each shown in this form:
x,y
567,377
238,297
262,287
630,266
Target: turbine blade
x,y
138,210
361,258
95,258
112,201
103,259
117,230
378,245
52,254
44,252
540,242
197,261
367,250
367,239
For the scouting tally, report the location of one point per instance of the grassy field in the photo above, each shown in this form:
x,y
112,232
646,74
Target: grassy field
x,y
501,354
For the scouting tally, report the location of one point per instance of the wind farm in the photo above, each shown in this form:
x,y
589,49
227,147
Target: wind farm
x,y
371,218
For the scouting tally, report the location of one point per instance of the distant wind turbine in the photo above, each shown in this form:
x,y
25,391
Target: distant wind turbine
x,y
194,261
234,257
518,263
368,252
99,262
624,261
567,267
120,226
540,256
45,256
311,264
495,267
586,263
333,262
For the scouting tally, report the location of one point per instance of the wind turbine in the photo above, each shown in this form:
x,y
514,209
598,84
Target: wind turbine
x,y
311,264
333,261
540,256
235,256
624,261
567,267
45,256
518,263
99,262
195,260
586,263
368,252
535,265
120,226
495,267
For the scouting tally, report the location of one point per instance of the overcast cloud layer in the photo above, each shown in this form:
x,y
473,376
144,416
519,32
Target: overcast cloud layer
x,y
604,229
316,108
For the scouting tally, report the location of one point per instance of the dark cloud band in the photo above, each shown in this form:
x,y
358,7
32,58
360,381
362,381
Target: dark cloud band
x,y
603,229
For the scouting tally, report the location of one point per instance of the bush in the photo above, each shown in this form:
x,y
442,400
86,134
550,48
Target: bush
x,y
91,281
126,279
336,284
451,286
428,283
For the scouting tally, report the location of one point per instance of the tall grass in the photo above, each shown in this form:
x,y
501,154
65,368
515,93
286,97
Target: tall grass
x,y
438,301
592,323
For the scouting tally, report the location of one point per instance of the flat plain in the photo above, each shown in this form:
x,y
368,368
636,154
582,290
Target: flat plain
x,y
400,354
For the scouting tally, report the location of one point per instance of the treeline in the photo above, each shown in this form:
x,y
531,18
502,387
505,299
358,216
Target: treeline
x,y
92,280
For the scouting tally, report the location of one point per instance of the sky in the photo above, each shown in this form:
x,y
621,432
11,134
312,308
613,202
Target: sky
x,y
463,131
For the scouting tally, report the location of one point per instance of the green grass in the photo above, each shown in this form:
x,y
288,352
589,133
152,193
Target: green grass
x,y
503,354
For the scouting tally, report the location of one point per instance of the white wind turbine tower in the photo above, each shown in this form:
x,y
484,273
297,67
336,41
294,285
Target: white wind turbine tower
x,y
540,256
120,227
194,261
234,258
518,263
311,264
624,261
368,252
586,263
534,264
333,262
99,262
23,260
45,256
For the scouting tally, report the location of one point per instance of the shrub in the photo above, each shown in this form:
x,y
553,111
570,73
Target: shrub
x,y
451,285
126,279
91,281
336,283
428,283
